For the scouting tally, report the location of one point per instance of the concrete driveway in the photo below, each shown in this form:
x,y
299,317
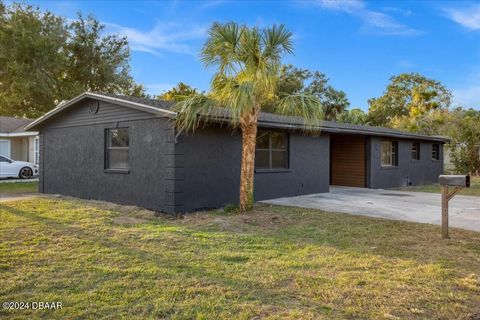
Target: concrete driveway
x,y
397,205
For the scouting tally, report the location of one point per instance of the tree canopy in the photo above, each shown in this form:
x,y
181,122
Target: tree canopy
x,y
463,126
178,93
45,59
97,62
354,116
295,80
409,95
32,73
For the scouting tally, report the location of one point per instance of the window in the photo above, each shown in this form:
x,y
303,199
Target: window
x,y
271,150
389,153
3,159
116,149
36,150
5,148
435,151
415,151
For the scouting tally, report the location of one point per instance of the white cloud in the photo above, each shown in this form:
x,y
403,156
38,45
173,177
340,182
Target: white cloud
x,y
348,6
172,37
405,13
374,21
467,17
212,3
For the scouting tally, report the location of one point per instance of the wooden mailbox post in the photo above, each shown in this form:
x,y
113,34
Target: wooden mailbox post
x,y
456,181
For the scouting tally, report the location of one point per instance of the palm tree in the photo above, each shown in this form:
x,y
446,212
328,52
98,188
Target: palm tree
x,y
248,62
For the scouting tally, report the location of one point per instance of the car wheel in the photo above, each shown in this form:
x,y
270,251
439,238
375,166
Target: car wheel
x,y
25,173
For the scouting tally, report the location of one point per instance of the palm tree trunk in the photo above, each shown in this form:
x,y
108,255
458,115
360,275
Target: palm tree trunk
x,y
249,136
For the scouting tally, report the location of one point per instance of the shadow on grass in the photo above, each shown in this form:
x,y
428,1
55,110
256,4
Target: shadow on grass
x,y
246,288
388,241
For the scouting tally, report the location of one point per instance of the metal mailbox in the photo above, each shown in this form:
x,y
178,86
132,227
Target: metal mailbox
x,y
454,180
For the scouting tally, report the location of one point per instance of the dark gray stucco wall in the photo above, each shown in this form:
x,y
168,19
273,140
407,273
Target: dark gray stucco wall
x,y
40,163
74,164
423,171
211,169
309,170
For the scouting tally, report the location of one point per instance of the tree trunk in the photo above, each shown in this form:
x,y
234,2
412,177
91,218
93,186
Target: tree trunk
x,y
249,136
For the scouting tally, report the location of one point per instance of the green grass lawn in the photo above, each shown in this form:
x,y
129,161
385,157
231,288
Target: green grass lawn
x,y
474,189
107,261
18,187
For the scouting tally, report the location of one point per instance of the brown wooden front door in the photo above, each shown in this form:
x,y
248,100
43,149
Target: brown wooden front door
x,y
347,160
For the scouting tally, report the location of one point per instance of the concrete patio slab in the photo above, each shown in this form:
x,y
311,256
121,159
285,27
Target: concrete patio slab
x,y
396,205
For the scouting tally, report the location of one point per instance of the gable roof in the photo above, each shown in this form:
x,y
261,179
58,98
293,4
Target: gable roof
x,y
10,124
13,126
157,107
156,103
163,108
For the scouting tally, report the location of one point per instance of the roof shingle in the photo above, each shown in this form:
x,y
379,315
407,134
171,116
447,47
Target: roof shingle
x,y
12,124
287,122
156,103
265,119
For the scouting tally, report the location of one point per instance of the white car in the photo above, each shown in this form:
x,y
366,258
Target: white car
x,y
17,169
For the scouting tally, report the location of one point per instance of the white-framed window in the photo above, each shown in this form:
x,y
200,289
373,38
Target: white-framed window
x,y
36,150
389,153
117,149
5,148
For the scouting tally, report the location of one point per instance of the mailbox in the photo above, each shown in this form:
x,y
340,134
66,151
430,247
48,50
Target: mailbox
x,y
454,180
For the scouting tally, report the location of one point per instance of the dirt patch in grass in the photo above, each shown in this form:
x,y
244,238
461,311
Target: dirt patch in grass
x,y
122,214
238,222
129,220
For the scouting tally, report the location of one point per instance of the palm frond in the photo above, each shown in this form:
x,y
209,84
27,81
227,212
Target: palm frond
x,y
277,40
302,105
251,49
222,46
194,112
249,62
237,95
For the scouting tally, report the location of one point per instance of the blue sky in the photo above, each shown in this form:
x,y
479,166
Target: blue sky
x,y
358,44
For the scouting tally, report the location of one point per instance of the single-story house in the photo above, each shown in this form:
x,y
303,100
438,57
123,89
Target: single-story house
x,y
127,150
15,142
